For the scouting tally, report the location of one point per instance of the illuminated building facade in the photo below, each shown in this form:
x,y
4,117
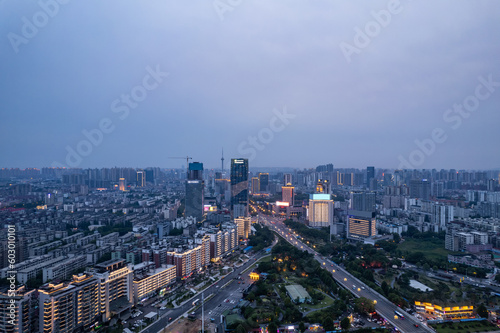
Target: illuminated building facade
x,y
320,210
323,187
67,307
288,194
141,178
239,187
255,185
24,317
115,287
191,260
243,224
150,282
445,312
122,184
361,225
215,245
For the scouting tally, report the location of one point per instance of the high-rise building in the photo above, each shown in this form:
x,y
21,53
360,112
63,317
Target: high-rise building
x,y
141,178
18,310
361,225
150,282
320,212
263,182
69,307
288,194
122,184
195,191
239,187
243,225
287,179
420,189
115,286
255,185
370,174
363,201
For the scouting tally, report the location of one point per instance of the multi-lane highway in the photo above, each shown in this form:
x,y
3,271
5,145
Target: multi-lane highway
x,y
227,288
382,305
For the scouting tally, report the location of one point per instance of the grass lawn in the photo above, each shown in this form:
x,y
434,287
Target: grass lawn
x,y
328,301
430,249
481,326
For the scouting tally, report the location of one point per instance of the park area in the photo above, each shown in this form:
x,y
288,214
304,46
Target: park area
x,y
464,327
430,248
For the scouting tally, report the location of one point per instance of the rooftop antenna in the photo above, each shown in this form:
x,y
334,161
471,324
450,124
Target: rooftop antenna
x,y
222,162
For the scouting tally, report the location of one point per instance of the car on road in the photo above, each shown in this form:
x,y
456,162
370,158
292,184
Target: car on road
x,y
416,325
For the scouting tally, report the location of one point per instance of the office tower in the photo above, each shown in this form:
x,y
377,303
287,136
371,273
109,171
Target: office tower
x,y
437,189
255,185
373,184
263,182
122,184
150,175
320,212
388,179
370,174
420,189
239,187
288,194
361,225
491,185
141,178
363,201
194,191
287,179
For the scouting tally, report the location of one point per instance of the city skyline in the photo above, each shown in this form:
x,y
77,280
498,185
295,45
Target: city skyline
x,y
362,84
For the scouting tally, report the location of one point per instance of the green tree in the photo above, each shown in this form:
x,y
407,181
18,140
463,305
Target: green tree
x,y
302,327
345,323
396,237
482,311
241,329
272,328
385,287
328,323
363,304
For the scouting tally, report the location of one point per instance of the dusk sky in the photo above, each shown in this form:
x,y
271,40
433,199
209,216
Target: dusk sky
x,y
283,83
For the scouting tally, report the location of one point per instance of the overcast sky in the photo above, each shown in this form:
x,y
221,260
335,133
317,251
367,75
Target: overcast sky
x,y
283,83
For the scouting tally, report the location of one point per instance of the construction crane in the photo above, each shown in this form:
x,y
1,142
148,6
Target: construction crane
x,y
187,161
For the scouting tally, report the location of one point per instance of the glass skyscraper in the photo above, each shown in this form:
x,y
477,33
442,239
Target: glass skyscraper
x,y
239,187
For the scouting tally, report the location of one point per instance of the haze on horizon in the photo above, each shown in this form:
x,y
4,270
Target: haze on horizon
x,y
290,84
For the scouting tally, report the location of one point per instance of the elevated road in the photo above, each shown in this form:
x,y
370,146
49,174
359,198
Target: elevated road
x,y
383,306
